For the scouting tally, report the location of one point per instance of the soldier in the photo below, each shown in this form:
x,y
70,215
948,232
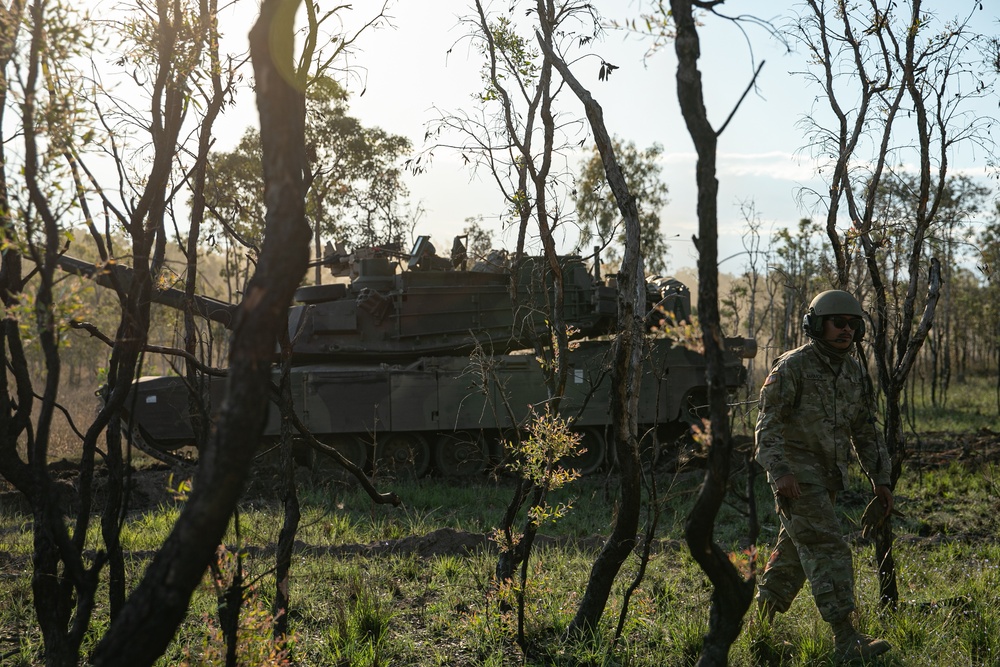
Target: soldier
x,y
813,405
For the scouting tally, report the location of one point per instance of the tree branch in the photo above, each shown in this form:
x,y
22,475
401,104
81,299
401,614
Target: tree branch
x,y
923,329
736,108
155,349
359,474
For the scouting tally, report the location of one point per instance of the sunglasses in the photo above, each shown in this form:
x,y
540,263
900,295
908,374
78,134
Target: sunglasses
x,y
841,322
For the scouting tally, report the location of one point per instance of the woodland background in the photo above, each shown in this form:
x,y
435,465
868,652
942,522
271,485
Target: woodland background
x,y
128,175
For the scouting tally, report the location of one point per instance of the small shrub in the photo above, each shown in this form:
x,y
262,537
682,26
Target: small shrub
x,y
256,645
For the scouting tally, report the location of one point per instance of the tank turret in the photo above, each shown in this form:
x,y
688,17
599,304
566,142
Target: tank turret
x,y
436,306
390,305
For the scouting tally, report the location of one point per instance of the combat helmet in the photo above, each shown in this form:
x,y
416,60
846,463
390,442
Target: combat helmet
x,y
832,302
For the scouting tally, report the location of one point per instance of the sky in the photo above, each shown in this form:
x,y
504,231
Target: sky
x,y
639,102
422,64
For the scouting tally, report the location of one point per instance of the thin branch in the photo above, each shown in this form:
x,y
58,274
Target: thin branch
x,y
359,474
736,108
69,418
155,349
916,342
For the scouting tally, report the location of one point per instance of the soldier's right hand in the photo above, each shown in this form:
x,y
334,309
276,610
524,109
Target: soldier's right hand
x,y
788,486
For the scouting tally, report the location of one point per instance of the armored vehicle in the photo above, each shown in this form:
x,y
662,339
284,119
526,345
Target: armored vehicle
x,y
413,363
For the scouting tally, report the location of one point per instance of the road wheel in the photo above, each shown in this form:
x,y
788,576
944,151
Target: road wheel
x,y
460,454
402,456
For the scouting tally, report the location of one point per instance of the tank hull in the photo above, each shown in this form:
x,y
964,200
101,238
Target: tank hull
x,y
415,415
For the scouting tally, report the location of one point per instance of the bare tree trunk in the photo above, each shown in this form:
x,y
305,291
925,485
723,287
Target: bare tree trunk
x,y
290,502
539,494
885,561
996,353
935,363
199,400
625,371
159,603
535,172
63,588
512,554
229,589
895,434
15,412
732,593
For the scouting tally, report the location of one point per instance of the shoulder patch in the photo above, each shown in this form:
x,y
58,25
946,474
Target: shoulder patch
x,y
771,379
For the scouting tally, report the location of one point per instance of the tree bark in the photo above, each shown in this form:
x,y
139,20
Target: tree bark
x,y
732,593
15,411
290,501
895,435
628,349
159,603
63,589
198,400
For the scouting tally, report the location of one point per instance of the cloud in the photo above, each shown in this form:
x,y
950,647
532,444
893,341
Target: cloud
x,y
776,165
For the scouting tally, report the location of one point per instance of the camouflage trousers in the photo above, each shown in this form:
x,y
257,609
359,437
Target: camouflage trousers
x,y
810,546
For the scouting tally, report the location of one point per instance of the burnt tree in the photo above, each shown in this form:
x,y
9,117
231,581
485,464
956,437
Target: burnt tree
x,y
159,603
626,365
732,592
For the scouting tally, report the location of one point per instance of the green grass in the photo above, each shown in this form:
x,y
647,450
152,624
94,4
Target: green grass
x,y
404,609
965,408
358,607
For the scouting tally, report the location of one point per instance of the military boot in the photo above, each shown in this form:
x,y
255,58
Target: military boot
x,y
850,645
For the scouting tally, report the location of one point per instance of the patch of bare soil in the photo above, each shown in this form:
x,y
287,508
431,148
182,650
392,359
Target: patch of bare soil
x,y
148,488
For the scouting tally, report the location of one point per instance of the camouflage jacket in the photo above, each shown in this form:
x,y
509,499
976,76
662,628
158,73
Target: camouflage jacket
x,y
809,416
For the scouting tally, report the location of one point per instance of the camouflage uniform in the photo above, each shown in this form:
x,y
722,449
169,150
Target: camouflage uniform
x,y
812,405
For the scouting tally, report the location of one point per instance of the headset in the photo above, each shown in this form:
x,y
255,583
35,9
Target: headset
x,y
812,325
829,303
